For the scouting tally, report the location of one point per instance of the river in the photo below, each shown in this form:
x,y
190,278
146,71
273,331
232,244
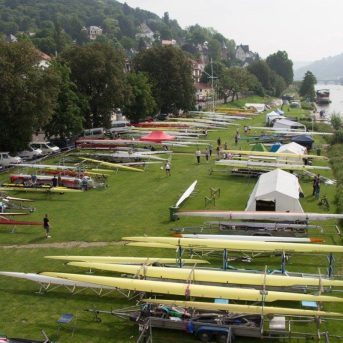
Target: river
x,y
336,96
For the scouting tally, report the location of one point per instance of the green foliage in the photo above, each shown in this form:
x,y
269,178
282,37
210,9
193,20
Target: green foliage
x,y
282,65
272,83
140,102
66,120
27,95
336,121
98,72
235,81
169,71
306,89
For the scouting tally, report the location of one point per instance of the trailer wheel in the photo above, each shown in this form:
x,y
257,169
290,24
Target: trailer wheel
x,y
204,337
222,338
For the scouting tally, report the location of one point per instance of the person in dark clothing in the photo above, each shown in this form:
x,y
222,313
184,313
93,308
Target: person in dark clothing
x,y
46,225
54,181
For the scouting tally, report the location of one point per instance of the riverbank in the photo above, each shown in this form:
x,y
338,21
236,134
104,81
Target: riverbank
x,y
133,204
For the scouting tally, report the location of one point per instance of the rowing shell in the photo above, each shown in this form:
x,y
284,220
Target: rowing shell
x,y
185,289
187,193
40,189
239,245
248,309
274,154
42,279
261,215
126,259
112,165
251,238
254,164
4,221
212,276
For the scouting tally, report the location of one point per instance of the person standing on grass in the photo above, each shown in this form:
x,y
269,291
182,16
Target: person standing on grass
x,y
207,154
167,168
210,148
317,187
46,225
197,155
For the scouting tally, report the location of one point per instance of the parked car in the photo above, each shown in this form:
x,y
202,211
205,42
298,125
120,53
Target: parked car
x,y
46,147
29,153
64,143
6,159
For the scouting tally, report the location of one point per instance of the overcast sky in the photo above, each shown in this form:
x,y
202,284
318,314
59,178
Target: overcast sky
x,y
307,29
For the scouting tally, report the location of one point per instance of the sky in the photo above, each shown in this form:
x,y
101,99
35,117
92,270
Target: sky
x,y
307,29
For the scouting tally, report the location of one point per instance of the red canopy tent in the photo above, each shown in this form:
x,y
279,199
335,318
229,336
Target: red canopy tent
x,y
157,137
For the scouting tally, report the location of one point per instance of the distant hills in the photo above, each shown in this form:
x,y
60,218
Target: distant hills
x,y
329,68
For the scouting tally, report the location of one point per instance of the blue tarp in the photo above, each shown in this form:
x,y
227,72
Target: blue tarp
x,y
275,147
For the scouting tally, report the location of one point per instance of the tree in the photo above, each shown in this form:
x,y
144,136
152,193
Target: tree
x,y
282,65
306,89
66,120
235,81
140,102
27,95
169,71
273,83
263,73
98,72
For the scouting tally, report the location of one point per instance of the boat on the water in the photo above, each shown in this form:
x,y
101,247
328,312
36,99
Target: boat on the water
x,y
323,96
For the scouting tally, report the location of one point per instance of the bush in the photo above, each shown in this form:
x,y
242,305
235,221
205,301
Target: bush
x,y
336,121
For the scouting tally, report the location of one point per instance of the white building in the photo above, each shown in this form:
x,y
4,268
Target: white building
x,y
94,32
276,191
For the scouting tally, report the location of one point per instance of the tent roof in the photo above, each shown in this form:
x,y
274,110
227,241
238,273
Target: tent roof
x,y
293,148
287,122
302,138
280,181
157,136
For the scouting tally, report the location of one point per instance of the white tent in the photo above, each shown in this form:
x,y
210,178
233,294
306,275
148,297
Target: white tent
x,y
258,107
285,124
293,148
272,117
275,191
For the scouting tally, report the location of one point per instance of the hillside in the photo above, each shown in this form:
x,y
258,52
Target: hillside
x,y
56,24
330,68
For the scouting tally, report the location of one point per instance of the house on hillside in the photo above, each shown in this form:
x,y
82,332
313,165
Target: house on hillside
x,y
11,38
197,69
145,32
94,32
44,59
171,42
203,92
244,55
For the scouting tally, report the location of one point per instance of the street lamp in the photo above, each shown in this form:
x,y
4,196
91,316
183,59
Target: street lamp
x,y
212,86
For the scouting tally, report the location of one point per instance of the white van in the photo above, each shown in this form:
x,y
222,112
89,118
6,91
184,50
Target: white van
x,y
6,160
45,147
119,126
30,153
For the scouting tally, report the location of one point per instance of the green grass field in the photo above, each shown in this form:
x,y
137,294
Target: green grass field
x,y
132,204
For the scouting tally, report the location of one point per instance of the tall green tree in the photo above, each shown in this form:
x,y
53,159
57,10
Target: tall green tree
x,y
282,65
140,102
98,72
27,95
169,70
236,81
306,89
66,120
